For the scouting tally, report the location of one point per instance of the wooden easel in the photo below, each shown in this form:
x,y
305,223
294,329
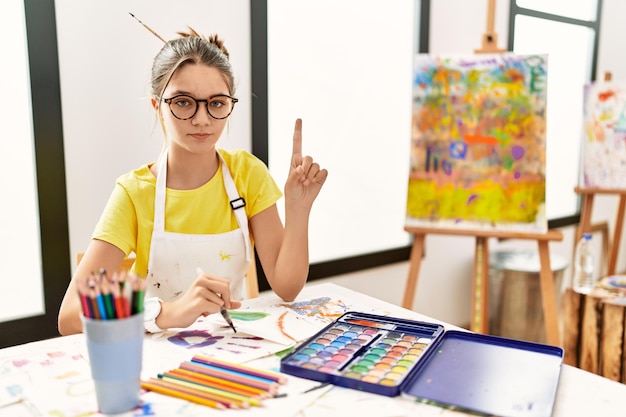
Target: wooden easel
x,y
584,225
490,37
479,321
588,195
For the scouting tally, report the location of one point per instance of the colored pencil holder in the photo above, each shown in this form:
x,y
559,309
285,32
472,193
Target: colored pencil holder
x,y
115,350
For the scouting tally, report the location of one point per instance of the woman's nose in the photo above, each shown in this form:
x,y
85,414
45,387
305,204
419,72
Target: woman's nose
x,y
202,116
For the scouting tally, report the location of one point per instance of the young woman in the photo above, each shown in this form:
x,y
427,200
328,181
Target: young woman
x,y
193,217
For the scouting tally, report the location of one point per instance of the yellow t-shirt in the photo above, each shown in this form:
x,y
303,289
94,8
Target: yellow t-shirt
x,y
128,216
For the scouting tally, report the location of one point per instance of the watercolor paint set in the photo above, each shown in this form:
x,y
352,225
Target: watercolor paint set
x,y
422,361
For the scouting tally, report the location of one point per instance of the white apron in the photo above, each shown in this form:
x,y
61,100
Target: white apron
x,y
175,257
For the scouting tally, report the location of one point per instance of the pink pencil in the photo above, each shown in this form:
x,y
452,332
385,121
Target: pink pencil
x,y
281,379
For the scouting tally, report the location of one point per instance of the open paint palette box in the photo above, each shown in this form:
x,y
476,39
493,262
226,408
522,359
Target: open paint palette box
x,y
419,360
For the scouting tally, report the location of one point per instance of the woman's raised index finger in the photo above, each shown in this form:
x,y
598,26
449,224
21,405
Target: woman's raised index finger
x,y
296,153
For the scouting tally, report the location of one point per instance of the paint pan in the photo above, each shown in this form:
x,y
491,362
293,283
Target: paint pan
x,y
363,351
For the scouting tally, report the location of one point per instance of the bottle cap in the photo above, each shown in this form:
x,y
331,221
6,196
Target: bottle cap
x,y
587,236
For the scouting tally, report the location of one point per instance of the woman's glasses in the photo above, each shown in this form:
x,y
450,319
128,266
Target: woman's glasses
x,y
185,107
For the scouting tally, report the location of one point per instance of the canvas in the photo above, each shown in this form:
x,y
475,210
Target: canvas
x,y
604,136
478,142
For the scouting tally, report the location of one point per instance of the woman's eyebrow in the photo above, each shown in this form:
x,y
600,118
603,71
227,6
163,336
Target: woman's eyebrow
x,y
187,93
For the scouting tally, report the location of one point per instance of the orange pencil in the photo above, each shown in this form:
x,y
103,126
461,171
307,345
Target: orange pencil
x,y
227,403
217,394
216,383
180,394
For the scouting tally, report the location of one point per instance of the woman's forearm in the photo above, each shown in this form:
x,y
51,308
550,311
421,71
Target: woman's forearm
x,y
292,264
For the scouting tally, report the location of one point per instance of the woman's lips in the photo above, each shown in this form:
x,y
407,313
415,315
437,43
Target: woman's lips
x,y
200,136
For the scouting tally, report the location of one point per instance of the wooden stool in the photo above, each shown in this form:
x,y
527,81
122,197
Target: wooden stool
x,y
594,332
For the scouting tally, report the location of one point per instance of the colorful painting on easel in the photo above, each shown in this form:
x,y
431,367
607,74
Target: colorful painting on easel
x,y
604,138
478,143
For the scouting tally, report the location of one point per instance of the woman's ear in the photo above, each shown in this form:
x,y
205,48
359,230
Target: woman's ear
x,y
155,104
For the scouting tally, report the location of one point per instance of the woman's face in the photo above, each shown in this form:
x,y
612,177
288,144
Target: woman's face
x,y
200,133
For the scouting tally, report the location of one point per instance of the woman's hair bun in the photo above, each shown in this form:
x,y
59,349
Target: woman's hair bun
x,y
214,39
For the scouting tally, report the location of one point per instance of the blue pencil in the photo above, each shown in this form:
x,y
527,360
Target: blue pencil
x,y
103,311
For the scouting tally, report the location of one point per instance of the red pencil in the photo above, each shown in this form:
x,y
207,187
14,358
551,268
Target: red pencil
x,y
84,299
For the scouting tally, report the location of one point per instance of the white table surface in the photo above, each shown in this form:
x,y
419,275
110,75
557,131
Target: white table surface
x,y
57,382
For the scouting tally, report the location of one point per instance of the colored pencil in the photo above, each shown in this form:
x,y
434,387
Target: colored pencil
x,y
104,298
138,293
101,307
199,393
219,394
94,306
231,385
219,382
238,371
117,299
86,306
94,284
85,301
281,379
179,394
107,298
126,296
230,376
93,299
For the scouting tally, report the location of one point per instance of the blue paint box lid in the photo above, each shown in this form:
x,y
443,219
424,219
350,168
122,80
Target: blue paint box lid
x,y
488,374
460,370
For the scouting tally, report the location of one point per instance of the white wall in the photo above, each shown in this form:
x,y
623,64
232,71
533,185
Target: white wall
x,y
105,58
444,287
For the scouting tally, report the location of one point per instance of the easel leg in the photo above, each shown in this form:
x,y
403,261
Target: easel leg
x,y
548,296
480,288
617,235
414,266
584,224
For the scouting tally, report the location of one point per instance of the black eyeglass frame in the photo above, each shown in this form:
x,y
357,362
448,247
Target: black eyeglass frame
x,y
198,101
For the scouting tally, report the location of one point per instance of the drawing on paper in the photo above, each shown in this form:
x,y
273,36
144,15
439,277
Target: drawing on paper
x,y
478,143
261,329
604,136
62,377
323,308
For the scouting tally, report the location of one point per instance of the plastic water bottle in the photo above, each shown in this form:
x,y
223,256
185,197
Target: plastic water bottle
x,y
583,280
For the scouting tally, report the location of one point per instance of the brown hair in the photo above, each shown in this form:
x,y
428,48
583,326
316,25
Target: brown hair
x,y
190,48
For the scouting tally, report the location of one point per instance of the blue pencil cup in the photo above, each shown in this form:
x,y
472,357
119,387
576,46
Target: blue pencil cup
x,y
115,356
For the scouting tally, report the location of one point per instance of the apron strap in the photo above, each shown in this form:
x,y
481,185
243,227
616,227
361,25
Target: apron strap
x,y
159,195
237,203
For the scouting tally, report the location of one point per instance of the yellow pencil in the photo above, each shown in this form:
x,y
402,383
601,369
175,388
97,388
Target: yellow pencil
x,y
229,375
182,395
215,393
218,383
227,403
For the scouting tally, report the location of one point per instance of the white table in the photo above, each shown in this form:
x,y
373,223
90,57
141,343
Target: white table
x,y
53,375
